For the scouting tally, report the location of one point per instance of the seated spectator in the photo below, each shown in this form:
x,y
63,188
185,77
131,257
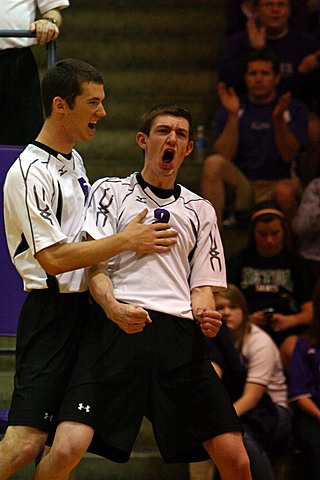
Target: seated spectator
x,y
303,14
257,140
261,403
298,53
304,391
306,225
276,282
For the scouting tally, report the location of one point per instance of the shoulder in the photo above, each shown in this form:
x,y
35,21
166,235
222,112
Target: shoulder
x,y
260,341
114,183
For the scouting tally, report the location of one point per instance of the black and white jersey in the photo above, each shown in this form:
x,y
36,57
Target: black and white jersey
x,y
45,196
160,282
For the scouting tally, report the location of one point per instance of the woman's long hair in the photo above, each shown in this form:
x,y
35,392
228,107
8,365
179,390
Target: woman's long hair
x,y
236,298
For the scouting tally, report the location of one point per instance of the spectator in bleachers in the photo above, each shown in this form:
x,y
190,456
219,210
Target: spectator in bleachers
x,y
298,52
276,282
257,141
304,391
304,15
261,401
21,115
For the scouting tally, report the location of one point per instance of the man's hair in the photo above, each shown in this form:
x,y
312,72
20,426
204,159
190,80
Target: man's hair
x,y
64,79
256,3
262,55
165,109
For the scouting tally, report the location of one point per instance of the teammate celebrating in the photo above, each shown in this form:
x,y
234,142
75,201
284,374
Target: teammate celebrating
x,y
45,196
143,352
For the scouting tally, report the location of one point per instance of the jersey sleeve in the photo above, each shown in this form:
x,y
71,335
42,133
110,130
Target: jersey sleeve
x,y
101,215
31,204
208,262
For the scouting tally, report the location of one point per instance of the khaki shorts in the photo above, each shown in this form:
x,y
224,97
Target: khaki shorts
x,y
250,193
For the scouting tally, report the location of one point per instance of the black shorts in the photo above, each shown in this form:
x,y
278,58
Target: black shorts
x,y
49,332
163,373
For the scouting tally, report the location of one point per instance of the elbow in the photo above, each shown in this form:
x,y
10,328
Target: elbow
x,y
50,261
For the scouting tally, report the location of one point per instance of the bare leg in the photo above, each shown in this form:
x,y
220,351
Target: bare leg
x,y
70,443
201,470
19,446
229,455
217,172
286,350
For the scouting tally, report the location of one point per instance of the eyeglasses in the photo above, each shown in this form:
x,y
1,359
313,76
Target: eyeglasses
x,y
274,4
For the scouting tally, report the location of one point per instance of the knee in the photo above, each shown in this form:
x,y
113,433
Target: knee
x,y
213,165
314,130
286,195
65,454
20,452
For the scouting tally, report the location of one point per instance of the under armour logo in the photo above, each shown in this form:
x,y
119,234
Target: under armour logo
x,y
48,417
62,170
82,407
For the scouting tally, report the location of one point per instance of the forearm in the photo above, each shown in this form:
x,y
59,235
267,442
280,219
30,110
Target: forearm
x,y
287,145
101,287
64,257
227,142
250,398
300,318
54,14
308,406
202,297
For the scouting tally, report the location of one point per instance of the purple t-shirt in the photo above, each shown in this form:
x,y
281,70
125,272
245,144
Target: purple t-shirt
x,y
257,155
304,371
290,50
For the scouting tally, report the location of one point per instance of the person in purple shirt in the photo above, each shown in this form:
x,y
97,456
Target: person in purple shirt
x,y
304,15
304,391
298,52
257,140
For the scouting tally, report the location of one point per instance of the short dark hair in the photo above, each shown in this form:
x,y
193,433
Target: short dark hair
x,y
64,79
263,55
165,109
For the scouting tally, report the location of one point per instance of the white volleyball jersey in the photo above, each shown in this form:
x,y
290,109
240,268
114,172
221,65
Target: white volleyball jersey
x,y
160,282
45,196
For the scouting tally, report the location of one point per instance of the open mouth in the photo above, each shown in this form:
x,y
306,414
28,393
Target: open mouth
x,y
168,156
92,126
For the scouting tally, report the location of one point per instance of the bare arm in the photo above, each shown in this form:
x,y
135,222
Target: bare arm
x,y
251,396
137,237
130,318
282,322
47,31
308,406
203,308
287,145
227,142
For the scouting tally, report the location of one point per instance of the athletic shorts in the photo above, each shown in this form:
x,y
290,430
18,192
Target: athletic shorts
x,y
163,373
49,332
251,192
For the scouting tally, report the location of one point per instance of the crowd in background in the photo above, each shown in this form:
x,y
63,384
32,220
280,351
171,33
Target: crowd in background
x,y
264,169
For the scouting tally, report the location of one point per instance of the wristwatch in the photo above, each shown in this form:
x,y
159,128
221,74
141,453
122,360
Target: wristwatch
x,y
52,20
